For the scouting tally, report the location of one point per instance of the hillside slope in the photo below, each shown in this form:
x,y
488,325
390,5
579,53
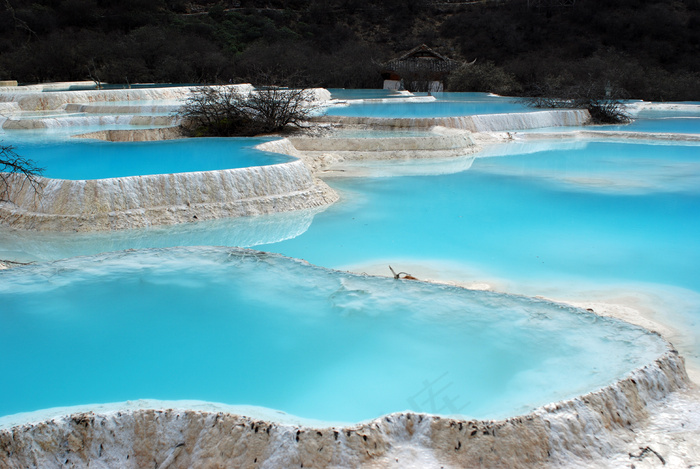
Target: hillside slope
x,y
649,48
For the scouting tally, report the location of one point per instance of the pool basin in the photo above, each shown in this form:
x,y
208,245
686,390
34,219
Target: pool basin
x,y
158,197
312,360
86,159
250,328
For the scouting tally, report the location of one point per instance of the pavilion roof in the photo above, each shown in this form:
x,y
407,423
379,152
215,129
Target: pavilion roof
x,y
422,57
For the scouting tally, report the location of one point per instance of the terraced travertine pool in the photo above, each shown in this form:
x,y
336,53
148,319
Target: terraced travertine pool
x,y
593,219
550,217
81,159
435,105
247,328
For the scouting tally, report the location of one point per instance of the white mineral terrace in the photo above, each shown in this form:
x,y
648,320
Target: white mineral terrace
x,y
74,121
132,202
626,424
15,102
123,108
33,100
586,429
163,199
477,123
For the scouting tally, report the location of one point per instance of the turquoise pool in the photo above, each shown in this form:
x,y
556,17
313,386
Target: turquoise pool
x,y
445,105
655,121
83,159
608,212
249,328
565,219
581,194
681,125
551,217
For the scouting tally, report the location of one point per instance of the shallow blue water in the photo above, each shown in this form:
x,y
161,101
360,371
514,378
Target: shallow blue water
x,y
546,213
624,217
253,329
445,105
614,212
343,93
85,159
661,121
604,210
682,125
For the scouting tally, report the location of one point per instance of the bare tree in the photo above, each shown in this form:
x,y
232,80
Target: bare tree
x,y
15,169
93,73
604,102
19,23
225,111
214,111
276,108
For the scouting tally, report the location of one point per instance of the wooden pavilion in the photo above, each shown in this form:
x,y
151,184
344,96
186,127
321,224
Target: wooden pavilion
x,y
420,69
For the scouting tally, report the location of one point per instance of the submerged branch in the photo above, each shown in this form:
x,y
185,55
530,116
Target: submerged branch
x,y
406,276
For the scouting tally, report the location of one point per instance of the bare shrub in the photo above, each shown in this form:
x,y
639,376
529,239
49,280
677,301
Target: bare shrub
x,y
225,111
607,111
276,108
604,102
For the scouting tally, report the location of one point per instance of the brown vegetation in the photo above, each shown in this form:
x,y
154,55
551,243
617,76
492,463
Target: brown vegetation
x,y
225,111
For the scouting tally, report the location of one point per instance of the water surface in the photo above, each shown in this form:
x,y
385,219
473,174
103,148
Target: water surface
x,y
87,159
248,328
445,105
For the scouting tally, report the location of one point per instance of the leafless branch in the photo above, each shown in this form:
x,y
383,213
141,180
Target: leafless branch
x,y
13,165
226,111
93,74
603,101
19,23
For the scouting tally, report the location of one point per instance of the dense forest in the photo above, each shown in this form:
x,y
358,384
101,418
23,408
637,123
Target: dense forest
x,y
649,49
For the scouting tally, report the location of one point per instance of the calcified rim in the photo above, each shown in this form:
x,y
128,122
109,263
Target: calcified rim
x,y
147,431
473,123
660,138
162,199
582,427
